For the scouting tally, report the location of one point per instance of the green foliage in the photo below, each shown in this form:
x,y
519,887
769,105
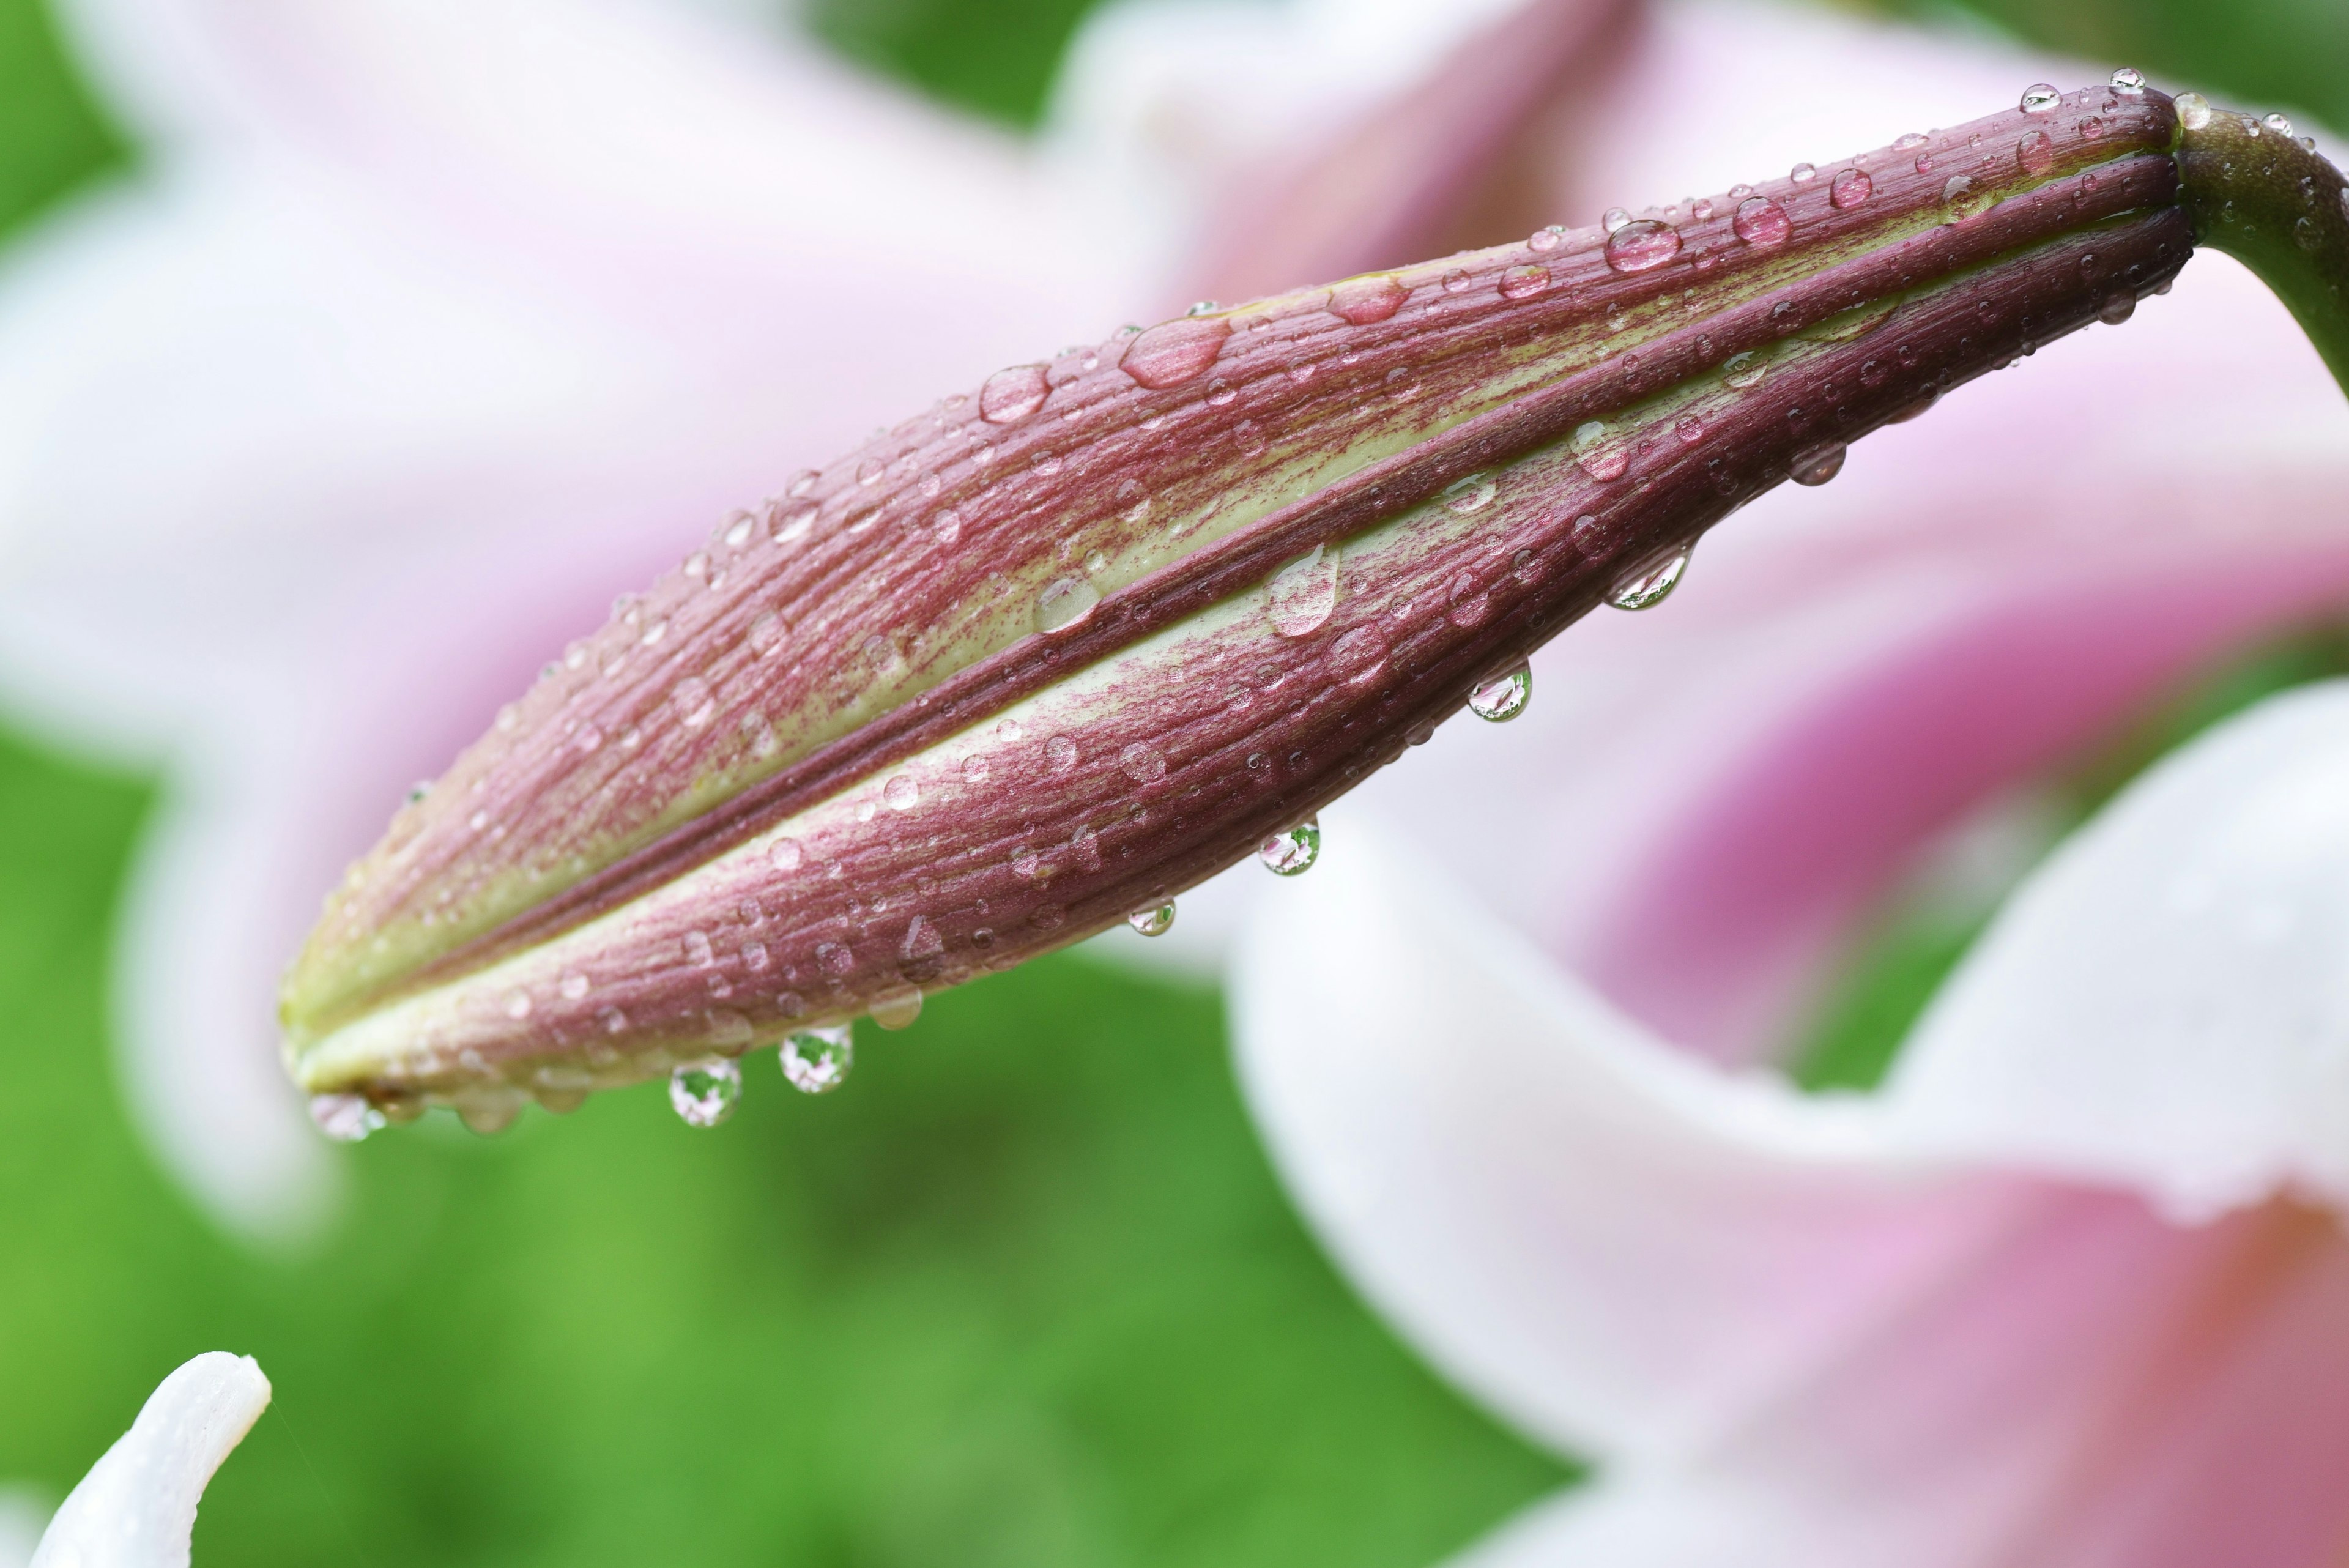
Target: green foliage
x,y
52,136
993,57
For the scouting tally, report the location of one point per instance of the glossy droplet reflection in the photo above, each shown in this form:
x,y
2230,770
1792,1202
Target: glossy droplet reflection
x,y
1504,697
896,1005
1292,851
1302,593
1761,222
705,1092
1065,602
1472,493
1012,395
346,1118
1650,588
816,1060
1154,920
1850,188
1641,244
2040,98
1817,464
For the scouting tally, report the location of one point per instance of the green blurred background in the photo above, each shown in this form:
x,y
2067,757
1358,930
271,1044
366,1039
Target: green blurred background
x,y
1025,1293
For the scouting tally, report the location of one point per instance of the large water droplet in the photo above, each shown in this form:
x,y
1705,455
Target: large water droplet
x,y
1817,464
1302,593
1762,221
1850,188
489,1110
1153,919
1364,300
705,1092
1614,218
1472,494
1647,588
2193,110
1173,352
1292,851
1524,282
1803,173
2277,123
1504,697
1064,604
1641,244
816,1060
1600,459
896,1004
2120,304
1010,396
901,793
2040,98
347,1118
1142,762
2035,152
1744,370
2130,80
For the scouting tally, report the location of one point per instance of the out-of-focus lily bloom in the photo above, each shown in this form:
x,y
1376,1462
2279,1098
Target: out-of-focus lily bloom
x,y
136,1507
2071,1289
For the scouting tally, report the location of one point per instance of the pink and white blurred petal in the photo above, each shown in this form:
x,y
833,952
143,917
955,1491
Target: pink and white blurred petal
x,y
136,1507
2166,1004
24,1514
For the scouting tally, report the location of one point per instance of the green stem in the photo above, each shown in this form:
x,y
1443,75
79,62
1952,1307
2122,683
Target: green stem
x,y
2276,205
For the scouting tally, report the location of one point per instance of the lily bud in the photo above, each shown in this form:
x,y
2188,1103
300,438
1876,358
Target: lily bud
x,y
1072,640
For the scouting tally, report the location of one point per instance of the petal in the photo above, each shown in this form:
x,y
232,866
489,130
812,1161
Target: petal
x,y
2163,1004
136,1507
23,1515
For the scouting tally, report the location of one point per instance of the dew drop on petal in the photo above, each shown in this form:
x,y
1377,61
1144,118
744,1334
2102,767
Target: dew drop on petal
x,y
693,701
1817,464
1642,244
1744,371
1153,919
1762,221
1647,588
2193,110
2035,152
1061,752
2130,80
1173,352
783,855
1524,282
1363,300
1292,851
1302,593
705,1092
901,793
1064,604
2040,98
1472,493
816,1060
1548,239
1142,762
1850,188
1010,396
1504,697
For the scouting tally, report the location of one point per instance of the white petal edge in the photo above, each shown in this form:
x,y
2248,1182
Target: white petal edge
x,y
136,1507
2166,1003
1613,1245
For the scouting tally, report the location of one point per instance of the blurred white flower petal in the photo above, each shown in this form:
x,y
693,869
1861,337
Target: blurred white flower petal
x,y
136,1507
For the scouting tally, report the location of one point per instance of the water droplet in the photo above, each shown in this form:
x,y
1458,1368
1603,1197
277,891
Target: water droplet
x,y
1548,239
705,1092
1524,282
2035,152
2120,305
783,855
901,793
1744,371
790,526
1153,919
1642,244
2128,80
1402,384
1010,396
1064,604
1468,604
1602,461
1850,188
816,1060
517,1005
1173,352
1061,752
1472,494
1761,222
347,1118
1647,588
1249,437
1456,280
1292,851
1802,174
572,986
2193,110
2307,235
1817,464
1364,300
2040,98
1142,762
2278,124
1960,201
1908,143
738,532
490,1111
2091,128
1221,393
1504,697
693,701
896,1004
1302,593
1359,655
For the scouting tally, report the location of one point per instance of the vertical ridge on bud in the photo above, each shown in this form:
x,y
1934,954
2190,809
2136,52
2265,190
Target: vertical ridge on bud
x,y
976,741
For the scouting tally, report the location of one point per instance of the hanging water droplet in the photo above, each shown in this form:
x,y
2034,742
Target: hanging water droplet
x,y
2119,307
1761,222
896,1004
1647,588
1153,919
1850,188
2040,98
1302,593
1817,464
1065,602
1504,697
1292,851
1010,396
2128,80
816,1060
2035,152
489,1111
2193,110
705,1092
1642,244
347,1118
1472,493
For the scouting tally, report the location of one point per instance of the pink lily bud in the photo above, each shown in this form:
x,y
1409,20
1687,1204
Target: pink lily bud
x,y
1036,660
